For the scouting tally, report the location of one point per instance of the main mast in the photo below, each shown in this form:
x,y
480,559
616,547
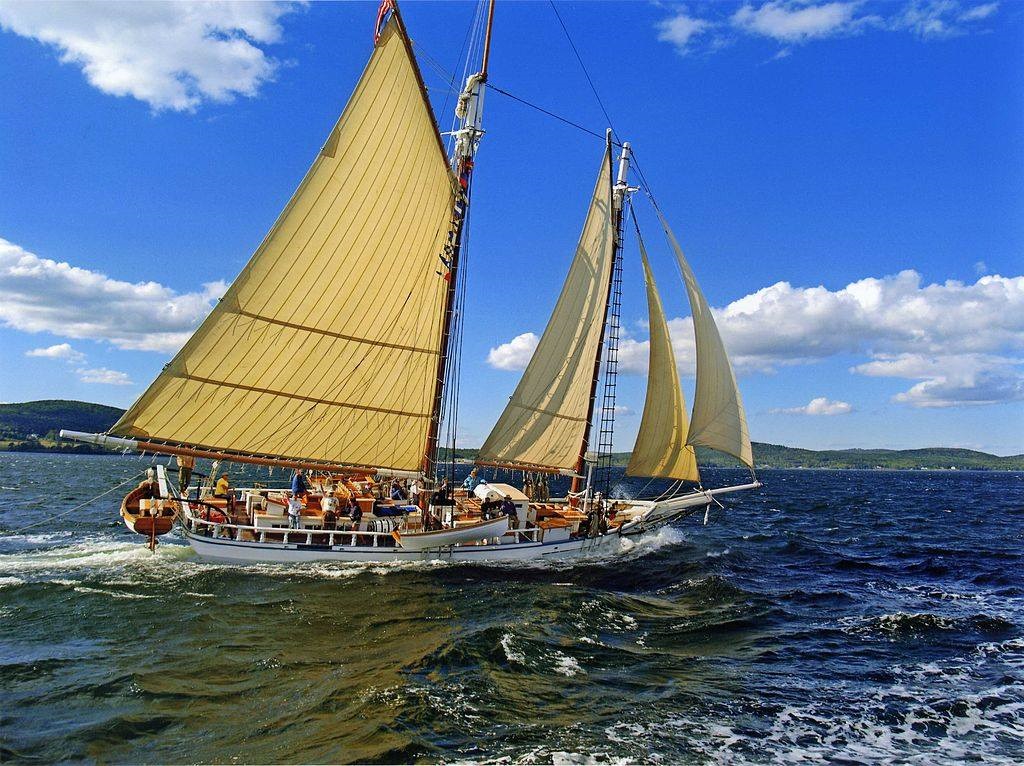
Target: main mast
x,y
469,110
620,190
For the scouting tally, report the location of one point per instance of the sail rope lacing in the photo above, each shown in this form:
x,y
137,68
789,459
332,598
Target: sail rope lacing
x,y
78,507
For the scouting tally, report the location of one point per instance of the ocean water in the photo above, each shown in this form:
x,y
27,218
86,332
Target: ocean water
x,y
843,616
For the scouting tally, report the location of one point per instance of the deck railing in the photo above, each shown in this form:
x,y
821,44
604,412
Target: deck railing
x,y
328,537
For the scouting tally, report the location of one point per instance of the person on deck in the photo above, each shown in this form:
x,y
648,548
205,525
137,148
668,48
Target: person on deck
x,y
414,492
223,488
329,505
294,512
185,465
355,513
396,491
509,509
299,484
470,482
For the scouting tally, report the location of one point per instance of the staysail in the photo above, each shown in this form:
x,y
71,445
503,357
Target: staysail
x,y
326,346
544,422
661,449
718,420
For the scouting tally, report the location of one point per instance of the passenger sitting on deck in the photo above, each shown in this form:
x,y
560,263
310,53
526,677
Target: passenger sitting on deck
x,y
470,482
354,511
440,496
223,488
509,509
299,484
397,493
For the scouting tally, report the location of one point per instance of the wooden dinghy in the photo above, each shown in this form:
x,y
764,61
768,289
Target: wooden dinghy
x,y
148,509
440,538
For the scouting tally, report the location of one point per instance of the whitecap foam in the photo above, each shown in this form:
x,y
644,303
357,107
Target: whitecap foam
x,y
511,654
567,666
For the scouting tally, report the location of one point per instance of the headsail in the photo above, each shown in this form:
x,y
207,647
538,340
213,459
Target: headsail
x,y
718,420
544,422
661,449
326,346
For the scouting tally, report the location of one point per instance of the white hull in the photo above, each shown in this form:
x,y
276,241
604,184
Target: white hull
x,y
235,552
304,549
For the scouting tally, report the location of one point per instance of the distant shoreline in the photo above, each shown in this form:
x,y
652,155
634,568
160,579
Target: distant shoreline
x,y
32,427
90,451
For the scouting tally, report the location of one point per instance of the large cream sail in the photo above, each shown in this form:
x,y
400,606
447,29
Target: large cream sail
x,y
544,422
718,420
326,346
661,449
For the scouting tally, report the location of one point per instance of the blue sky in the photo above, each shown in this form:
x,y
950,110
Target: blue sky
x,y
847,180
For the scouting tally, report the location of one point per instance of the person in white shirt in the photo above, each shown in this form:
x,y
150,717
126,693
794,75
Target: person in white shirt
x,y
294,512
329,505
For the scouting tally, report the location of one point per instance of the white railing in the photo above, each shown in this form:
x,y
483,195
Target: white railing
x,y
290,535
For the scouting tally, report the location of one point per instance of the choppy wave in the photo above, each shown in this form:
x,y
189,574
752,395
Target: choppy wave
x,y
839,617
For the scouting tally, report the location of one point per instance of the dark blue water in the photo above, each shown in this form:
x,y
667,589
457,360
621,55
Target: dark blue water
x,y
857,617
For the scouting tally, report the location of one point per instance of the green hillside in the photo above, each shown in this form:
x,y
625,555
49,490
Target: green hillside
x,y
33,426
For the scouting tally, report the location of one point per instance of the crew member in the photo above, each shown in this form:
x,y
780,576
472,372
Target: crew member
x,y
185,465
509,509
299,484
223,488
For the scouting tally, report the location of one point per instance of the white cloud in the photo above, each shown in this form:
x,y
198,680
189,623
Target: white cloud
x,y
42,295
794,22
951,381
979,12
818,406
515,354
941,18
105,376
59,351
681,29
884,319
171,55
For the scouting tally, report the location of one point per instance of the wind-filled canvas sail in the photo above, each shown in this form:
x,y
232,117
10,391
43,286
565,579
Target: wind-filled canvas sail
x,y
718,420
544,422
326,346
661,449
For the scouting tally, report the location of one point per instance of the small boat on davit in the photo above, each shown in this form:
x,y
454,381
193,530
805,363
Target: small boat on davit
x,y
149,509
359,396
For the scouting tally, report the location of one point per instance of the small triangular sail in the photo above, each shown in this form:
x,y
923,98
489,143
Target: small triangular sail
x,y
661,449
718,420
545,420
326,346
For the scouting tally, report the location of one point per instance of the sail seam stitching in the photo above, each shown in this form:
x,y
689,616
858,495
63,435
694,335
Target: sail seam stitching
x,y
285,394
341,336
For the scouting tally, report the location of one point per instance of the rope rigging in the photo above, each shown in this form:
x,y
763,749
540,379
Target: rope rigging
x,y
68,512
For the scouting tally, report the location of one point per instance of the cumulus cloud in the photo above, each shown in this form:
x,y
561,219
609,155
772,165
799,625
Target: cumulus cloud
x,y
170,55
681,29
818,406
893,321
515,354
42,295
59,351
105,376
952,381
793,22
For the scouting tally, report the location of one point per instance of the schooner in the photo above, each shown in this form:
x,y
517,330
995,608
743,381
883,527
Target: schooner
x,y
335,349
